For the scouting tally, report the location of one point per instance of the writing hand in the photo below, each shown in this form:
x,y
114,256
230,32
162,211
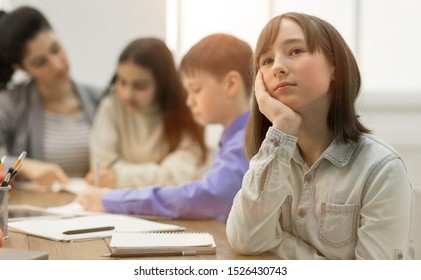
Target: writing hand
x,y
43,173
91,198
280,115
106,178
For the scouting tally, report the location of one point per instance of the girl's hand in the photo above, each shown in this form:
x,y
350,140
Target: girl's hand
x,y
281,116
106,178
43,173
91,198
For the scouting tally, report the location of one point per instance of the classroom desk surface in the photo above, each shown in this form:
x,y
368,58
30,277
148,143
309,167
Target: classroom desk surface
x,y
93,249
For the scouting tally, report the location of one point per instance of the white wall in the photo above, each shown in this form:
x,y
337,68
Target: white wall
x,y
94,32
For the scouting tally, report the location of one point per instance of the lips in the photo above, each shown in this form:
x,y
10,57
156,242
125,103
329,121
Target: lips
x,y
283,86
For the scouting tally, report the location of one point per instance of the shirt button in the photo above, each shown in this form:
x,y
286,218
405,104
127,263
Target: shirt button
x,y
307,178
275,142
301,212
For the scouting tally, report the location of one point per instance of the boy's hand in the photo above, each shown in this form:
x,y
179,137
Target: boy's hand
x,y
91,198
281,116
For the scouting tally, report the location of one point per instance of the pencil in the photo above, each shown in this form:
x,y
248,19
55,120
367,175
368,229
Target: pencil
x,y
150,254
3,159
19,160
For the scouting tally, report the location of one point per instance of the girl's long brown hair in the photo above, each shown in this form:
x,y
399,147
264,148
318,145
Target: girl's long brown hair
x,y
320,36
153,54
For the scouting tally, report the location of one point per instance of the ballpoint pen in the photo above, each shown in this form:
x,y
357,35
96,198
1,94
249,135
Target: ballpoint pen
x,y
97,170
97,173
88,230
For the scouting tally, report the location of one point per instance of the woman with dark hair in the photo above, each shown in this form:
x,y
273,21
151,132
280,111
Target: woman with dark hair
x,y
48,116
319,185
143,127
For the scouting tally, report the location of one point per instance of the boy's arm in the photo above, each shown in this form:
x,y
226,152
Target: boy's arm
x,y
209,198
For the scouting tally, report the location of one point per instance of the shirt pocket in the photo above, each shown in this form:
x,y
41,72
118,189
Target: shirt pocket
x,y
339,223
285,219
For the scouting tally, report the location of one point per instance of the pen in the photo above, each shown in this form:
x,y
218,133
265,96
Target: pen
x,y
97,170
3,159
19,160
13,170
87,230
150,254
6,180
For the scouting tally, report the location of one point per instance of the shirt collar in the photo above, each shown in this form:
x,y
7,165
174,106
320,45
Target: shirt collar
x,y
338,153
237,124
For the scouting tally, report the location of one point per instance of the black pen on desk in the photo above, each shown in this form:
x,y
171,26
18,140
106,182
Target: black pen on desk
x,y
88,230
150,254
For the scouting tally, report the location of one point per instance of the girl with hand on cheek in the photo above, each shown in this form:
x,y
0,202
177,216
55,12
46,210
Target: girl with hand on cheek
x,y
319,185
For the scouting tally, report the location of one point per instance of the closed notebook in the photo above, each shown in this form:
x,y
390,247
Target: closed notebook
x,y
87,227
193,243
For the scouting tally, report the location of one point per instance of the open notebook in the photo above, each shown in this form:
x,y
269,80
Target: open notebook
x,y
138,244
87,227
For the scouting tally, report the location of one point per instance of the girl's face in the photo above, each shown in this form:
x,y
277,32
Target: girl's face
x,y
295,76
135,85
46,60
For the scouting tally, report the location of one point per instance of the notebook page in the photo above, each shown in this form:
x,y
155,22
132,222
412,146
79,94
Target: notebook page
x,y
54,228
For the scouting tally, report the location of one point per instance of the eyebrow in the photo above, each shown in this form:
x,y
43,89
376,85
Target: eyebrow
x,y
293,40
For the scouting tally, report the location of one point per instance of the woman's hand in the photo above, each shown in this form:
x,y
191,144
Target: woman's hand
x,y
105,179
91,198
43,173
281,116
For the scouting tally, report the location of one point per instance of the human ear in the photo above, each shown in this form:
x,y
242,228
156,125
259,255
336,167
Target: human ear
x,y
332,74
233,82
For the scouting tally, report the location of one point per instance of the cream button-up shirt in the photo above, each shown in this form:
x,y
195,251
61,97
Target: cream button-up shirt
x,y
355,202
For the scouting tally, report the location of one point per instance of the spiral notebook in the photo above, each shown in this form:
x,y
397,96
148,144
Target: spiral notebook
x,y
138,244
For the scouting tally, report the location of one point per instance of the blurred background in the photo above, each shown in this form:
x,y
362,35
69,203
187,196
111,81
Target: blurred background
x,y
384,35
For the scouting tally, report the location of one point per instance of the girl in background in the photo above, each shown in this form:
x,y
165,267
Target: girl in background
x,y
144,134
48,116
319,186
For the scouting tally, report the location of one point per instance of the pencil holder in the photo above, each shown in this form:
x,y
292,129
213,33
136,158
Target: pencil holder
x,y
4,210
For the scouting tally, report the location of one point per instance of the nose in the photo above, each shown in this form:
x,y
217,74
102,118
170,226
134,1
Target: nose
x,y
279,67
57,63
189,100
